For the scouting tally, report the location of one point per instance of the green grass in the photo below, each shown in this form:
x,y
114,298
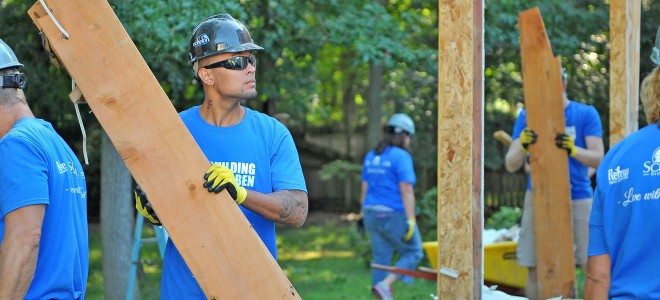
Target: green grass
x,y
328,261
331,261
324,261
148,276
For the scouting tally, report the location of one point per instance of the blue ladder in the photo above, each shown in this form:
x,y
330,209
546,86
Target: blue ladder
x,y
138,241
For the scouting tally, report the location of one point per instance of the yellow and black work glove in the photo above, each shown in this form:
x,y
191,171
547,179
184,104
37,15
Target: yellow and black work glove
x,y
411,229
566,141
219,177
527,137
143,206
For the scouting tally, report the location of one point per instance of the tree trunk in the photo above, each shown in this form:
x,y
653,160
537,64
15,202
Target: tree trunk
x,y
374,104
116,220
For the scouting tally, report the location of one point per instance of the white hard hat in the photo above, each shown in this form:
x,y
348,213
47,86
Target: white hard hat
x,y
402,122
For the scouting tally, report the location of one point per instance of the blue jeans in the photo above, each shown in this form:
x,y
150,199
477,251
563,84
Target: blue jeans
x,y
386,229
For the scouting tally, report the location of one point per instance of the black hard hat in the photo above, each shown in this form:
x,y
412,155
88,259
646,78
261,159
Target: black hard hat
x,y
220,34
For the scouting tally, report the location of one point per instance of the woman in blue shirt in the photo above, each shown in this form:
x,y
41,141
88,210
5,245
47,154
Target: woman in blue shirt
x,y
388,204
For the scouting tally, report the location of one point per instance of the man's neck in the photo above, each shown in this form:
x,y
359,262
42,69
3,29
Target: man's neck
x,y
565,100
222,113
10,114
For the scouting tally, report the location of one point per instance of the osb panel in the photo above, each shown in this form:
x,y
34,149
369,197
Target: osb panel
x,y
160,152
456,135
549,165
624,68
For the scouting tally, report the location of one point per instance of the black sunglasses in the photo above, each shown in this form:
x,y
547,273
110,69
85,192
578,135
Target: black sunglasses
x,y
234,63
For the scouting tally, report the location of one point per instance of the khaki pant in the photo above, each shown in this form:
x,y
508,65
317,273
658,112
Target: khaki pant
x,y
581,209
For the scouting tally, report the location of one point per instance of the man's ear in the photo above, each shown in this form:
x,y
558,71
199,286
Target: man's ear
x,y
205,76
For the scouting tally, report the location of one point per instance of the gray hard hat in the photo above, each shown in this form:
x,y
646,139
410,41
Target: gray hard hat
x,y
655,53
7,57
401,122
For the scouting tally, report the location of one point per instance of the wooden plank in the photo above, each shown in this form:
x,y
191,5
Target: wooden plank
x,y
624,68
423,273
222,250
477,146
549,164
460,95
503,137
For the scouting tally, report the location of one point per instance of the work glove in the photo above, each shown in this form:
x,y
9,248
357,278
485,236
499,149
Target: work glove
x,y
527,137
219,177
411,229
144,207
360,223
566,141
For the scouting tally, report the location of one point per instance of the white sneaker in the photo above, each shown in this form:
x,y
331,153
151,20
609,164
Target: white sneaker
x,y
382,291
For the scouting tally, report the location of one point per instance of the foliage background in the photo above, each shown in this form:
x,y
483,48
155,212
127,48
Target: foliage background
x,y
316,64
317,69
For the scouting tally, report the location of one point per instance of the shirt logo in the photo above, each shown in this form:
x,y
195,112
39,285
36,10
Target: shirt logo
x,y
617,175
652,167
377,165
244,172
570,130
61,167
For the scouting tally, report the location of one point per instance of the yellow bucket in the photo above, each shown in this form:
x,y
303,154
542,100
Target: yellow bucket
x,y
500,263
431,250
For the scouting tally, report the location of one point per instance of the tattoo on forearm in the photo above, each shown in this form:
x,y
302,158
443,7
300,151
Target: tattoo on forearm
x,y
294,208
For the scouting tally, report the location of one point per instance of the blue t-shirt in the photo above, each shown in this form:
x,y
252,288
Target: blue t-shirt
x,y
581,121
625,215
261,153
383,173
38,167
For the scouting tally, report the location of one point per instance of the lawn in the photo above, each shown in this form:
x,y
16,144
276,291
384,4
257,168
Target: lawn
x,y
325,259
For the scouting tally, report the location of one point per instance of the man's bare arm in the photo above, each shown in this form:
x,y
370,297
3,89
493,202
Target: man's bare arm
x,y
19,250
515,157
287,206
593,154
597,283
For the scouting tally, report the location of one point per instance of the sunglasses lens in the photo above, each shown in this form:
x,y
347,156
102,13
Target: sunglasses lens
x,y
235,63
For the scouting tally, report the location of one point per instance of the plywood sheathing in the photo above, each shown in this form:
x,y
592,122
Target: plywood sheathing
x,y
460,148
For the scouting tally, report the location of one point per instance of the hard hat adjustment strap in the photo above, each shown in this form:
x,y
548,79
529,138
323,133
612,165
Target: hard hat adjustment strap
x,y
14,81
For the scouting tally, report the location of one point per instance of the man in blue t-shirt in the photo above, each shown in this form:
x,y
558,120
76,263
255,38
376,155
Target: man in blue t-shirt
x,y
623,229
44,251
584,145
253,155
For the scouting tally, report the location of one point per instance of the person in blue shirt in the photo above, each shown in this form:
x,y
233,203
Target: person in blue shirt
x,y
623,229
253,155
584,144
388,204
44,250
